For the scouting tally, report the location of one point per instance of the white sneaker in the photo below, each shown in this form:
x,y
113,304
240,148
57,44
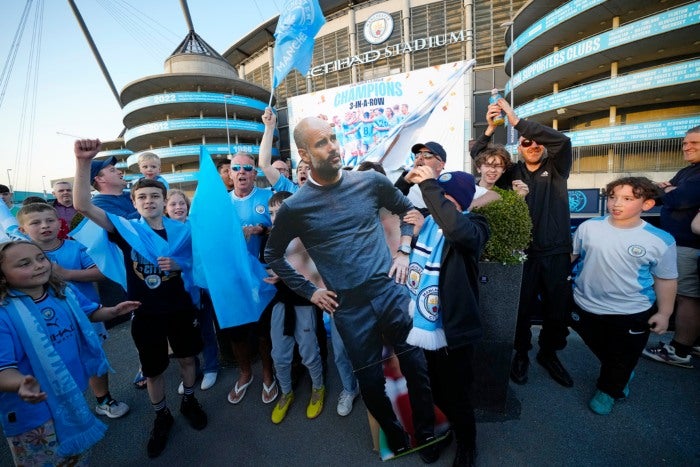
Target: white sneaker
x,y
181,388
208,380
112,408
345,401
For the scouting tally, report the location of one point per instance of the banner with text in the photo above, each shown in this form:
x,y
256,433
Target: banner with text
x,y
365,115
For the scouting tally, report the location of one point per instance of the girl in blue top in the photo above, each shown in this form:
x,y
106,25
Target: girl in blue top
x,y
48,350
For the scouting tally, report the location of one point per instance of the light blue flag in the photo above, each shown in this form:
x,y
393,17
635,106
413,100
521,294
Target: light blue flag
x,y
294,37
107,256
222,263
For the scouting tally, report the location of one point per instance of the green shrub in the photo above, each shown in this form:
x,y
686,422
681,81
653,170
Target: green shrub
x,y
511,228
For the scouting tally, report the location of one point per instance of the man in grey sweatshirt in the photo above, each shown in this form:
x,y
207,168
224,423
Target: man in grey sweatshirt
x,y
336,216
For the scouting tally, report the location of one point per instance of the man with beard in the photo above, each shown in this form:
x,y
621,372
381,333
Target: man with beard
x,y
544,167
336,216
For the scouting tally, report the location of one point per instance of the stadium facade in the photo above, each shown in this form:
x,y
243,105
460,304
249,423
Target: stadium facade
x,y
620,77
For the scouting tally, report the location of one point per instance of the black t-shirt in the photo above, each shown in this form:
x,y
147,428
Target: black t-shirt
x,y
158,292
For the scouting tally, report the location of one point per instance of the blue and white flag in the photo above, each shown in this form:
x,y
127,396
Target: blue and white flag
x,y
294,37
222,263
391,152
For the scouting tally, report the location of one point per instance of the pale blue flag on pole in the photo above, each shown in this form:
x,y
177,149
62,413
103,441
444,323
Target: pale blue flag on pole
x,y
297,26
222,263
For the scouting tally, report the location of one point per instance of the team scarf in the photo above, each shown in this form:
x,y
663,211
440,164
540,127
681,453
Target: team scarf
x,y
77,429
423,276
142,238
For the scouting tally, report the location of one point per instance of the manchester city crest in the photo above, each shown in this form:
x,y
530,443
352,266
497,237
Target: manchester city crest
x,y
378,27
429,303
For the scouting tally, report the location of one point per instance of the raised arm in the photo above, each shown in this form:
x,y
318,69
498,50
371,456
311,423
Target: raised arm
x,y
557,143
85,150
265,157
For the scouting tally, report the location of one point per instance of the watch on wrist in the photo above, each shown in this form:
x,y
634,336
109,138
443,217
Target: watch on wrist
x,y
405,249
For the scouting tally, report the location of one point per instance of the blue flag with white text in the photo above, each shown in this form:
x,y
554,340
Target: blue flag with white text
x,y
294,37
222,263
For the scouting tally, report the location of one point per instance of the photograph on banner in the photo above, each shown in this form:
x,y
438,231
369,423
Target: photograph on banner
x,y
379,120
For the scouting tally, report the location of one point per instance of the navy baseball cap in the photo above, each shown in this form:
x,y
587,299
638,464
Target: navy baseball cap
x,y
460,185
96,166
435,148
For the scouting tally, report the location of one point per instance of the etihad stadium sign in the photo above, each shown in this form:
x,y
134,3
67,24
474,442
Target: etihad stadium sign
x,y
370,56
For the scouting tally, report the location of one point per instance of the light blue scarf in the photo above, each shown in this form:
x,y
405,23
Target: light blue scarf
x,y
142,238
77,429
422,283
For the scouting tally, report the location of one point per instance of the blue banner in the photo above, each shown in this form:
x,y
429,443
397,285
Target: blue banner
x,y
294,37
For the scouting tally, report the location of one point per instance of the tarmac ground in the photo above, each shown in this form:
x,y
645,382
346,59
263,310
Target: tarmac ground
x,y
544,425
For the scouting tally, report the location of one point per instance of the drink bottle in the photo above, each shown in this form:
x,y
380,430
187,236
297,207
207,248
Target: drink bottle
x,y
495,95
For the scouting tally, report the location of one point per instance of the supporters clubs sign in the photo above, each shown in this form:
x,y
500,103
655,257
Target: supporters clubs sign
x,y
373,118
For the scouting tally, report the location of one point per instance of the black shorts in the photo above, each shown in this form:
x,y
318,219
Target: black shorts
x,y
152,332
244,332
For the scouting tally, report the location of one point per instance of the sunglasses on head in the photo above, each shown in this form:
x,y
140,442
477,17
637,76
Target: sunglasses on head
x,y
526,143
238,167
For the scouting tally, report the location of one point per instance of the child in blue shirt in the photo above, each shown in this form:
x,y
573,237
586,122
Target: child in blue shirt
x,y
48,350
624,285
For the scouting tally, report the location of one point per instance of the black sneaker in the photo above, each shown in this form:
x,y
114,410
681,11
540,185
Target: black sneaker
x,y
193,412
159,434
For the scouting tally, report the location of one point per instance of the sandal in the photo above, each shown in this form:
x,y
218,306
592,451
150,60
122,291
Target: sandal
x,y
238,392
139,381
270,393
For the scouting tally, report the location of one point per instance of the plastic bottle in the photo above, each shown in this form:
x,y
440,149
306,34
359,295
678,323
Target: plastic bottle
x,y
495,95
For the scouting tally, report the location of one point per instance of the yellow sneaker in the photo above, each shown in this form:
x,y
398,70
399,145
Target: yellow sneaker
x,y
280,410
315,406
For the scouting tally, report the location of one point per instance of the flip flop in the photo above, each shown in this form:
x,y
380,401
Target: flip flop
x,y
238,392
270,393
139,380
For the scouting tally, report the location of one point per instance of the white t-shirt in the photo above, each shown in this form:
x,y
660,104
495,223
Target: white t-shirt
x,y
615,275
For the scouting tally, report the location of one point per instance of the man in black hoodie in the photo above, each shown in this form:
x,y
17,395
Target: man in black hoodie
x,y
544,166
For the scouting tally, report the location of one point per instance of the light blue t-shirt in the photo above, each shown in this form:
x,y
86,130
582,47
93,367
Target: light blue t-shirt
x,y
253,210
615,274
284,184
73,255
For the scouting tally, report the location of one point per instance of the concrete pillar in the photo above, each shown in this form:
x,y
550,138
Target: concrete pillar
x,y
468,7
352,29
406,32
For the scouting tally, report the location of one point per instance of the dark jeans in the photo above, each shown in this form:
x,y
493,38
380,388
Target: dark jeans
x,y
364,328
451,377
617,341
546,277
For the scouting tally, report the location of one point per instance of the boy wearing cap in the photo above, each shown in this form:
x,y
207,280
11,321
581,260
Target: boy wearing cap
x,y
442,280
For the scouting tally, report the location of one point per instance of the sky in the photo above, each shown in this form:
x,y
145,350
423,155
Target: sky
x,y
55,90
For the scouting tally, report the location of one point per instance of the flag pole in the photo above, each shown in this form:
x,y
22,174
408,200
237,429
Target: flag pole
x,y
272,93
